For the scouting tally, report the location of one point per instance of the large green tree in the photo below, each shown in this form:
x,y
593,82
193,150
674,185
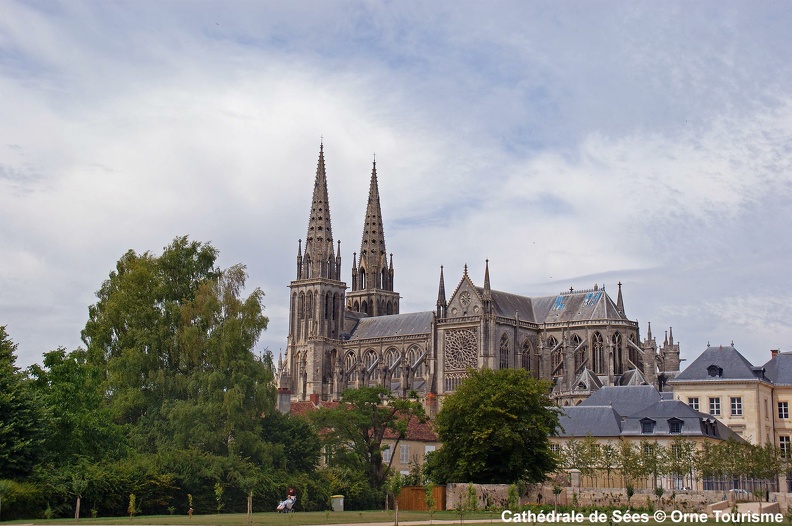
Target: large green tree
x,y
22,419
80,424
494,429
354,430
175,338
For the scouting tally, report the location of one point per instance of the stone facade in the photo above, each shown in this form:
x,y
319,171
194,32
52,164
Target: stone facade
x,y
339,338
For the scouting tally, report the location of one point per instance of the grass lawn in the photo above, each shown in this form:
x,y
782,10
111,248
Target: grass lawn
x,y
273,519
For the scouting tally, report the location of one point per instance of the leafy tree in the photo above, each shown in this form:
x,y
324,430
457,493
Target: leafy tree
x,y
629,462
175,337
300,446
22,418
81,425
357,426
494,429
653,459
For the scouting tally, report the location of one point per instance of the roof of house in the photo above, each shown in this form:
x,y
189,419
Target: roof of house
x,y
779,369
625,399
615,411
717,363
597,421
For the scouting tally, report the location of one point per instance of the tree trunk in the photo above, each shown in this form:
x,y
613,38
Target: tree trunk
x,y
77,509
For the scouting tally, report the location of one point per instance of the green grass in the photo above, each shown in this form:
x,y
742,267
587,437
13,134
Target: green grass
x,y
271,519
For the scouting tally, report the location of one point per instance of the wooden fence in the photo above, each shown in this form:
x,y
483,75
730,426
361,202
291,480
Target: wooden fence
x,y
414,498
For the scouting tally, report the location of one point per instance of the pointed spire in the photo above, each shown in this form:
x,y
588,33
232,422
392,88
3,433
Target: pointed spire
x,y
441,294
665,342
671,335
487,290
620,301
319,241
649,332
372,246
465,269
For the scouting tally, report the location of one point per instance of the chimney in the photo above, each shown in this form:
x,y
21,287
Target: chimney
x,y
773,353
284,400
314,398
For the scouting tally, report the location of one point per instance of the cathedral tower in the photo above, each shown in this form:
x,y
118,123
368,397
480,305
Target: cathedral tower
x,y
316,311
372,277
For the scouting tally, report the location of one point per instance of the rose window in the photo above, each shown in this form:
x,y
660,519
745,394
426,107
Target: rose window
x,y
461,349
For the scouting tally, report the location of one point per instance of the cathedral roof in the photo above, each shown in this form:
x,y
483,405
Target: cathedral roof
x,y
507,305
576,306
393,325
569,306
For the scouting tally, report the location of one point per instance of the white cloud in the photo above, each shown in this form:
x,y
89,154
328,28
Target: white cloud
x,y
648,144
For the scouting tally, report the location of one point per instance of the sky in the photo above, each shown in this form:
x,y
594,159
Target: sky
x,y
570,143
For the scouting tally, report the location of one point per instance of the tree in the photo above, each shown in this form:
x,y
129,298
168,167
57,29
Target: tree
x,y
81,425
494,429
22,418
359,423
174,337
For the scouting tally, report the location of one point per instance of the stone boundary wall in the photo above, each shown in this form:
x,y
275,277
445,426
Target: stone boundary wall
x,y
496,496
487,495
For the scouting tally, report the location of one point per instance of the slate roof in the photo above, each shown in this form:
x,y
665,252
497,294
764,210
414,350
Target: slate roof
x,y
779,369
632,377
572,306
393,325
732,364
694,423
597,421
621,411
625,400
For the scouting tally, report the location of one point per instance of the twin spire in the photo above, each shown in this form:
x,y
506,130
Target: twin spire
x,y
372,246
319,258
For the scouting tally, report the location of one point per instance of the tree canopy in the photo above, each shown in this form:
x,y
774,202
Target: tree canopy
x,y
21,415
494,429
175,339
354,429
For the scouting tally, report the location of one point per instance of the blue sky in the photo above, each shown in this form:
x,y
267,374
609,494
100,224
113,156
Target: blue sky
x,y
571,143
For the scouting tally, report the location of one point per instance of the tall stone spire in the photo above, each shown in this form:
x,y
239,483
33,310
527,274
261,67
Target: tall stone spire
x,y
372,246
319,256
620,301
442,304
372,279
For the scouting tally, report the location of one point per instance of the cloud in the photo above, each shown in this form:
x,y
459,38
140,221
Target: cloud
x,y
642,143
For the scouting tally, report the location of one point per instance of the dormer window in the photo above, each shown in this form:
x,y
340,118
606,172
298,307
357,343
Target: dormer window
x,y
647,426
674,426
714,371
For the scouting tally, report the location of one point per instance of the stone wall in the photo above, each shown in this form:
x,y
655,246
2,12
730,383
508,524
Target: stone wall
x,y
487,495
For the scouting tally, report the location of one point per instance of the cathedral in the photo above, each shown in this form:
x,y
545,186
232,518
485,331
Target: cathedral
x,y
348,336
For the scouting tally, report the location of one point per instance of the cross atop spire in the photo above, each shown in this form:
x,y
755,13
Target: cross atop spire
x,y
620,301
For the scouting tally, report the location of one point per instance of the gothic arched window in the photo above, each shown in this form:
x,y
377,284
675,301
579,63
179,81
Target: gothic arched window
x,y
598,348
349,366
504,352
556,354
617,353
392,359
370,361
526,355
580,352
412,360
